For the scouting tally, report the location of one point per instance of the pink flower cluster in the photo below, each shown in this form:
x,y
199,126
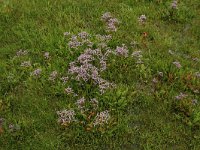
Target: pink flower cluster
x,y
102,118
110,21
84,69
142,19
66,116
122,51
81,104
53,76
36,72
78,40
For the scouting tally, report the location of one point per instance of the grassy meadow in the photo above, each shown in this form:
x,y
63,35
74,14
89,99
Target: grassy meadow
x,y
99,74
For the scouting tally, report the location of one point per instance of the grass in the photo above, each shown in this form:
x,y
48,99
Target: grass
x,y
144,114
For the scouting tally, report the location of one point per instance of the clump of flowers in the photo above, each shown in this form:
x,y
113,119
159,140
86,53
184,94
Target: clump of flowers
x,y
87,68
66,117
102,118
26,64
36,72
94,102
83,35
80,103
122,51
104,38
53,75
137,56
142,19
64,79
110,21
177,64
74,43
83,68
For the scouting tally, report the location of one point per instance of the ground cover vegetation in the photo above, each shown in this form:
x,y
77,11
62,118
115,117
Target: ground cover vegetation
x,y
108,74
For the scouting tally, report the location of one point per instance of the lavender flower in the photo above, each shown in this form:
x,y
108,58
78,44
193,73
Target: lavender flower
x,y
36,72
88,43
111,25
110,21
64,79
46,55
94,102
123,51
181,96
103,84
177,64
66,116
104,38
80,103
95,74
26,64
102,118
142,19
83,35
53,75
106,16
74,43
85,58
103,65
69,91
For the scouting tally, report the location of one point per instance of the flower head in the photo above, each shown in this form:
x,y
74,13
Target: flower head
x,y
46,55
123,51
66,116
142,19
37,72
53,75
69,91
102,118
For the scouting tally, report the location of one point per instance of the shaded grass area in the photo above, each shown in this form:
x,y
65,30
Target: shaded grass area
x,y
144,115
